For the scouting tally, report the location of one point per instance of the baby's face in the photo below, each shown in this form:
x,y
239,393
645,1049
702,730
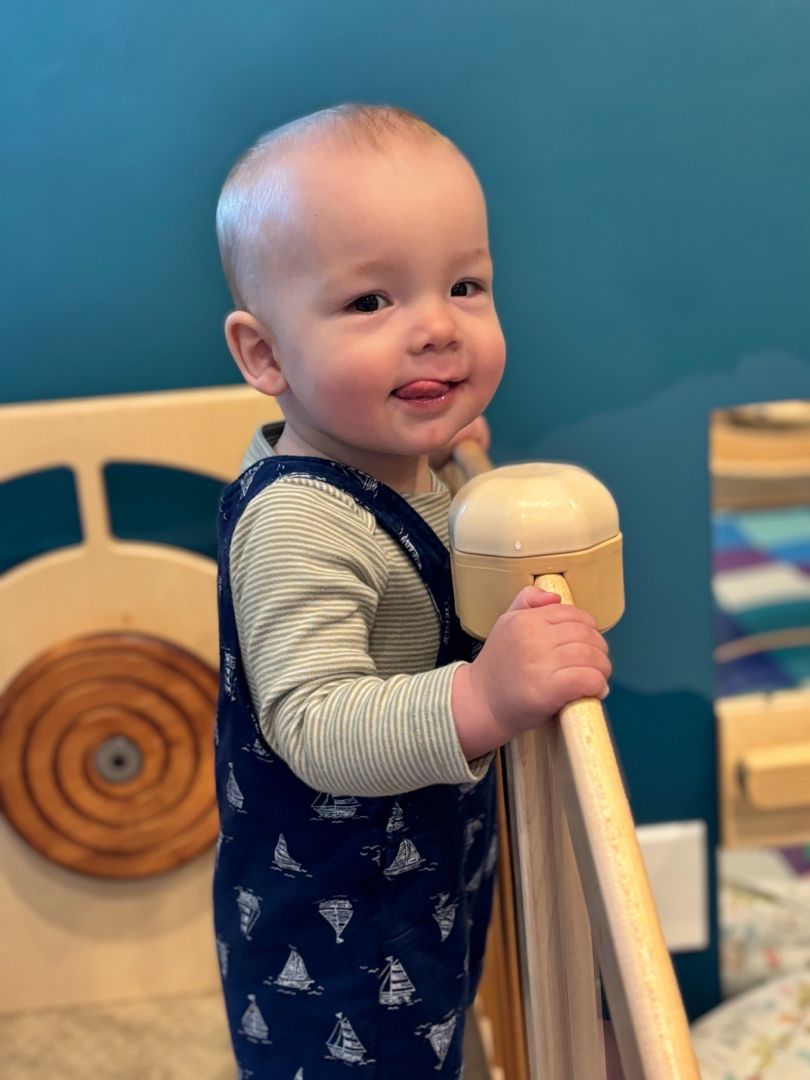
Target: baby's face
x,y
380,305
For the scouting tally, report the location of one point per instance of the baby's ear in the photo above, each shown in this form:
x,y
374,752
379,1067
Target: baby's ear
x,y
252,349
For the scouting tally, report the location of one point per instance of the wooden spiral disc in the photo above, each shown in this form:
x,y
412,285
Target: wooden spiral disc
x,y
106,755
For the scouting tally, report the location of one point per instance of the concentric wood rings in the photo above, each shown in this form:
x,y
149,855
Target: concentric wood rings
x,y
106,755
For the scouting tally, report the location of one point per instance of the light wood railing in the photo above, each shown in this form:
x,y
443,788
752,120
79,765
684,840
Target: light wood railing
x,y
580,887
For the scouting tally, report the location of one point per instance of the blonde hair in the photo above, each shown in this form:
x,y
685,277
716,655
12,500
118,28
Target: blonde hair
x,y
253,188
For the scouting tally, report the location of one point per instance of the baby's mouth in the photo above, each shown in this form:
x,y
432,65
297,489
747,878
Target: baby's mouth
x,y
421,389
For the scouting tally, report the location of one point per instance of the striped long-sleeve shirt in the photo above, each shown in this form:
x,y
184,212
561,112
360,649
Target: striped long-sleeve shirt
x,y
339,638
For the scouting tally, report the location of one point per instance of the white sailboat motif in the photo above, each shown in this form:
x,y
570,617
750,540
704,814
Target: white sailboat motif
x,y
229,674
233,793
246,479
338,913
299,1075
335,807
440,1036
282,857
253,1024
222,952
475,880
408,544
395,986
470,829
492,856
397,820
249,909
407,858
343,1043
445,915
294,974
259,750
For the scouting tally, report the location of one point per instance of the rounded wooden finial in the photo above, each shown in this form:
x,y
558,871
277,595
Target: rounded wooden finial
x,y
511,525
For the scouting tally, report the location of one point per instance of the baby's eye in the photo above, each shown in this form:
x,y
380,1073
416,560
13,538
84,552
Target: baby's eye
x,y
465,288
369,303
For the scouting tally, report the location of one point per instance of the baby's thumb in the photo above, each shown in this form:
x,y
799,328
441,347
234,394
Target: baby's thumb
x,y
532,597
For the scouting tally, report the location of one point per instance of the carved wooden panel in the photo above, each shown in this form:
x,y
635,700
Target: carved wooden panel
x,y
106,755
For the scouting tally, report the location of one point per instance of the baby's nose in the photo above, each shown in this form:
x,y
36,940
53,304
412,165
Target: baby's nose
x,y
435,328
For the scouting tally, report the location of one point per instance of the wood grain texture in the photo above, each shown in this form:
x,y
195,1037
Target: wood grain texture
x,y
80,938
558,972
72,701
759,463
752,728
645,1003
579,872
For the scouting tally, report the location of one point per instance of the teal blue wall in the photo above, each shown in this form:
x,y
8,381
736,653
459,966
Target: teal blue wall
x,y
648,170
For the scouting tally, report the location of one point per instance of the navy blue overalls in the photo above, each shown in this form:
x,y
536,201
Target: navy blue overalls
x,y
350,930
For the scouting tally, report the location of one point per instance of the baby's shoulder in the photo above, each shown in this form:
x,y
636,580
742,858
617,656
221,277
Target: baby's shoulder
x,y
298,499
303,522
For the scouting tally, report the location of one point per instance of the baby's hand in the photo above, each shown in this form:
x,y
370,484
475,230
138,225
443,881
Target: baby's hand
x,y
540,655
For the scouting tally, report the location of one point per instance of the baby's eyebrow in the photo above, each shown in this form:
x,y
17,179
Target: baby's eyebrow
x,y
372,266
473,253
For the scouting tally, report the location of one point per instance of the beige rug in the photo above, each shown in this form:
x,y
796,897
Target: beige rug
x,y
176,1038
173,1038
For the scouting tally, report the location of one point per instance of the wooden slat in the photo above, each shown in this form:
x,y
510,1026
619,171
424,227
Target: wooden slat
x,y
564,773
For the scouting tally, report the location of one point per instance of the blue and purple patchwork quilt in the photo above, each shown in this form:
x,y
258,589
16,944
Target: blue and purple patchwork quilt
x,y
761,583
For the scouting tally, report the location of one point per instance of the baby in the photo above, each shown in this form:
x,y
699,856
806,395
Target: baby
x,y
355,733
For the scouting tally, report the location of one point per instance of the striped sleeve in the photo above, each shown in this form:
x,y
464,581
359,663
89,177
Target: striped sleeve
x,y
307,575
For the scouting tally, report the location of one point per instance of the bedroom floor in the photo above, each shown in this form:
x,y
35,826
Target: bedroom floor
x,y
174,1038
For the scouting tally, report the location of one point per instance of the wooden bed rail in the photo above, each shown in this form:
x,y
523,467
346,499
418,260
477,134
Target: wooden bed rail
x,y
579,875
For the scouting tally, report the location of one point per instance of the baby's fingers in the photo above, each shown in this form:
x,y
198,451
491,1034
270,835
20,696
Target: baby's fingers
x,y
573,633
572,683
532,597
581,655
567,613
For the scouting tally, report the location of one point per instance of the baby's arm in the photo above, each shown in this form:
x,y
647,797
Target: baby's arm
x,y
540,655
307,575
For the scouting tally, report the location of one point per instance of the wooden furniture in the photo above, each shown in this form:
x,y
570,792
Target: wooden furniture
x,y
108,654
760,455
577,867
764,752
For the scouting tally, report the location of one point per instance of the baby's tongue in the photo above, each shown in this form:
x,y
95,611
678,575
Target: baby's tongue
x,y
422,388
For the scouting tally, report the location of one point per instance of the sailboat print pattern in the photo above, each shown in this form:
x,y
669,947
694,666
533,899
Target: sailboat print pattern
x,y
445,915
395,986
254,1027
344,1045
294,976
228,676
233,793
282,860
222,838
354,934
250,909
396,820
222,953
259,750
338,913
440,1036
407,858
335,807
